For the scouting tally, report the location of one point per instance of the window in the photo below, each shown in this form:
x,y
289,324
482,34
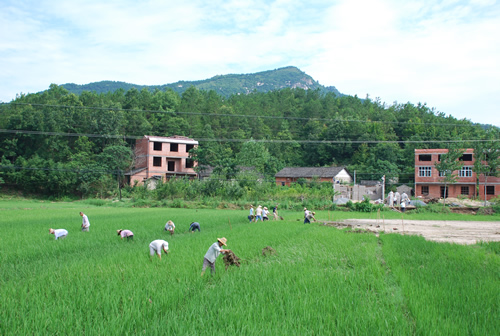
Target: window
x,y
439,157
424,171
189,163
425,157
174,147
464,190
171,165
156,161
443,193
466,157
282,184
490,190
425,190
465,172
157,146
189,147
442,174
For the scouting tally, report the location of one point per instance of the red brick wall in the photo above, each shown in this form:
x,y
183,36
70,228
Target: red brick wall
x,y
434,182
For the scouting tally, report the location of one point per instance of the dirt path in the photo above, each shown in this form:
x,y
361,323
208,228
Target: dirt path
x,y
460,232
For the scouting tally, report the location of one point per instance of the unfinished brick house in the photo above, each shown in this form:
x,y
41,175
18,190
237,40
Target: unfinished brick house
x,y
160,158
430,183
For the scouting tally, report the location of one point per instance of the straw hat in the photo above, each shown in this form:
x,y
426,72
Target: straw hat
x,y
119,231
265,208
51,231
222,241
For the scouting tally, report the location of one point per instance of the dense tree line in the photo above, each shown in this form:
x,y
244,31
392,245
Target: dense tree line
x,y
56,142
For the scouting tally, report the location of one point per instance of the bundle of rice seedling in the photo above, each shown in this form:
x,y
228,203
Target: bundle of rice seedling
x,y
230,259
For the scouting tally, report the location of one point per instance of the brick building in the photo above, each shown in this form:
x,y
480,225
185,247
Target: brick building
x,y
430,183
162,158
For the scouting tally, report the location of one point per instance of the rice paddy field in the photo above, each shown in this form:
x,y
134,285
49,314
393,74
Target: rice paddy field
x,y
320,281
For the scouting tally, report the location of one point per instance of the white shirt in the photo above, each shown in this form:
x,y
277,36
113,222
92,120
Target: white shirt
x,y
213,252
158,245
60,232
169,226
85,221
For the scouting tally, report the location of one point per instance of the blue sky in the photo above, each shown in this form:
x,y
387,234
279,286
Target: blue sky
x,y
442,53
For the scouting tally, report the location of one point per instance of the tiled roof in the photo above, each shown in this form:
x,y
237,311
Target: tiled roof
x,y
308,172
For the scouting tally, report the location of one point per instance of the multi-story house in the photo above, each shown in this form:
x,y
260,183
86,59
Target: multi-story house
x,y
429,182
162,158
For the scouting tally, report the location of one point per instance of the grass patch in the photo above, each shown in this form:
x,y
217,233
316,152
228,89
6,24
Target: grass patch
x,y
320,280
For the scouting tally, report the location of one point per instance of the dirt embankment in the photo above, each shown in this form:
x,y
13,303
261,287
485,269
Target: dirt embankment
x,y
461,232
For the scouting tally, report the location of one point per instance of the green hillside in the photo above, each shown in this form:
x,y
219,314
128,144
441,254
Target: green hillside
x,y
224,85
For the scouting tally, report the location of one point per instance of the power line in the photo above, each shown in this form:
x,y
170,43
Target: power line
x,y
107,171
134,137
237,115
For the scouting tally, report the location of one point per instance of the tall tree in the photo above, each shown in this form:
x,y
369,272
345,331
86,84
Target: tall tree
x,y
487,159
447,167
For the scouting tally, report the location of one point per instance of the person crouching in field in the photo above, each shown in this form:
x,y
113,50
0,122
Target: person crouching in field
x,y
156,246
194,226
59,233
170,226
212,254
85,222
126,234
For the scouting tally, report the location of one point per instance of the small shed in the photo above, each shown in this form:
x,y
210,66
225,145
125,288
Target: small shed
x,y
323,174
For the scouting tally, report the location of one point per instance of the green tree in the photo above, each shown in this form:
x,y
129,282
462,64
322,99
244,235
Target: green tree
x,y
447,167
118,159
487,159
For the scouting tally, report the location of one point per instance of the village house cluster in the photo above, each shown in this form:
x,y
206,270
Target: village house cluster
x,y
161,158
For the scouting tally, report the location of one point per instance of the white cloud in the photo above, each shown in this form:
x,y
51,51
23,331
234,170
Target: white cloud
x,y
443,53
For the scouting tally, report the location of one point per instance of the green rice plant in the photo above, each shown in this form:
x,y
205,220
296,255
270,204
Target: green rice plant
x,y
448,288
320,280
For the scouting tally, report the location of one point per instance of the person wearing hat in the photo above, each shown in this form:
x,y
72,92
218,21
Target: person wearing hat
x,y
85,222
310,216
251,216
194,226
170,226
126,234
258,213
59,233
306,216
156,246
212,254
265,212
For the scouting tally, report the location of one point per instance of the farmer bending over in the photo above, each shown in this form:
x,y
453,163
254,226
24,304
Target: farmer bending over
x,y
194,226
156,246
212,254
59,233
126,233
170,226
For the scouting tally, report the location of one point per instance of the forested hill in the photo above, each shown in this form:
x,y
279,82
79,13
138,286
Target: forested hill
x,y
224,85
56,142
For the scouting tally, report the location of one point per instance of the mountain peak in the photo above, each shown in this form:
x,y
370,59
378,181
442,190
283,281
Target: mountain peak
x,y
225,85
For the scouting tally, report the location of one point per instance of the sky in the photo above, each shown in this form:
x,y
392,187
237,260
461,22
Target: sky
x,y
445,54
